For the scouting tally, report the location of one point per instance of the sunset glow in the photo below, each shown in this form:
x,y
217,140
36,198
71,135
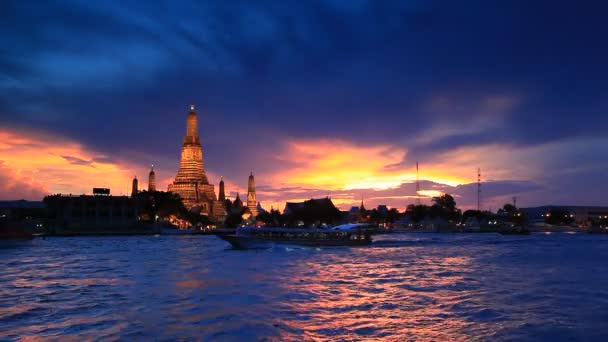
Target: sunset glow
x,y
50,165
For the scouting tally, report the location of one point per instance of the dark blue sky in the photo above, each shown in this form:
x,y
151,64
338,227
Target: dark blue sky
x,y
515,87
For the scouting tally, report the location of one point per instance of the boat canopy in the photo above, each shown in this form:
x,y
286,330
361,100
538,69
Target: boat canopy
x,y
351,226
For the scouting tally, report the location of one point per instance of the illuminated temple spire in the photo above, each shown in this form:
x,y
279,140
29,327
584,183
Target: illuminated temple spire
x,y
191,167
191,182
252,203
152,180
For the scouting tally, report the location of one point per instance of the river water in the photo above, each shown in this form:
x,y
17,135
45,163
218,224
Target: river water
x,y
404,287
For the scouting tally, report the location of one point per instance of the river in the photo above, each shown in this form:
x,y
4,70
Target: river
x,y
404,287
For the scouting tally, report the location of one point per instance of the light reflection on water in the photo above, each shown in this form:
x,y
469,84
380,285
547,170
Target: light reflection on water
x,y
407,287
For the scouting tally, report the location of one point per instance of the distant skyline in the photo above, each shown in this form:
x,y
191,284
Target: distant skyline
x,y
318,98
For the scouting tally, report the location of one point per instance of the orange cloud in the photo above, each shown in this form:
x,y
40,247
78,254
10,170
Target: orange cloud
x,y
57,165
336,164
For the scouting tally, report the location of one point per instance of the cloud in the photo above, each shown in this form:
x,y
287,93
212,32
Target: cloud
x,y
78,161
316,97
14,185
52,164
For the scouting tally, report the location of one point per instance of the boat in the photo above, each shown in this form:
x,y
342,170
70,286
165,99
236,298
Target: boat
x,y
343,235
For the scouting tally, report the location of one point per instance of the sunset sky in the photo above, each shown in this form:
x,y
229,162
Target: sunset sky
x,y
318,98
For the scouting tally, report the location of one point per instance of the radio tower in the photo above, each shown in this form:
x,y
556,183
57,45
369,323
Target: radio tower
x,y
478,189
417,186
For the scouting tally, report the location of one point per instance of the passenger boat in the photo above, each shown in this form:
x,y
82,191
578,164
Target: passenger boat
x,y
343,235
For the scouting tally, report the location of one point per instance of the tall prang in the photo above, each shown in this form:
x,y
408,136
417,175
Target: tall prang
x,y
152,180
191,182
222,196
252,203
134,187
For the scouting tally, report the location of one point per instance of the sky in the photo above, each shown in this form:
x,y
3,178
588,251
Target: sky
x,y
317,98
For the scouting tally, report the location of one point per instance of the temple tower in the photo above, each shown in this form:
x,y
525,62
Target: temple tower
x,y
237,205
152,180
134,188
252,203
222,196
191,182
191,166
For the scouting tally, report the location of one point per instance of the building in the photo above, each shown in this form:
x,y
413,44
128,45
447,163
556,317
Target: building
x,y
21,210
293,207
91,212
152,180
29,215
312,212
357,214
582,215
252,203
237,205
191,182
222,195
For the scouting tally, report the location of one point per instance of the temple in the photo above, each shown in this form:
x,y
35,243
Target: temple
x,y
252,203
134,187
222,196
152,180
191,181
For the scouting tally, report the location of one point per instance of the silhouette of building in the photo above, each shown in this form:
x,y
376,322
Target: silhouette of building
x,y
292,207
261,210
252,203
312,212
134,188
362,207
152,180
222,195
237,205
357,214
191,181
91,212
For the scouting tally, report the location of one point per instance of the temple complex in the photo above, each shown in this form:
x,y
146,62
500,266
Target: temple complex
x,y
191,181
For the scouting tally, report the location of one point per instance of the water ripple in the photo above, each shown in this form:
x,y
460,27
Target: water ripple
x,y
405,287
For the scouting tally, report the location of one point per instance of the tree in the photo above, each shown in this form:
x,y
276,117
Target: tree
x,y
162,204
418,212
446,202
509,209
392,215
437,211
270,218
445,207
233,220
